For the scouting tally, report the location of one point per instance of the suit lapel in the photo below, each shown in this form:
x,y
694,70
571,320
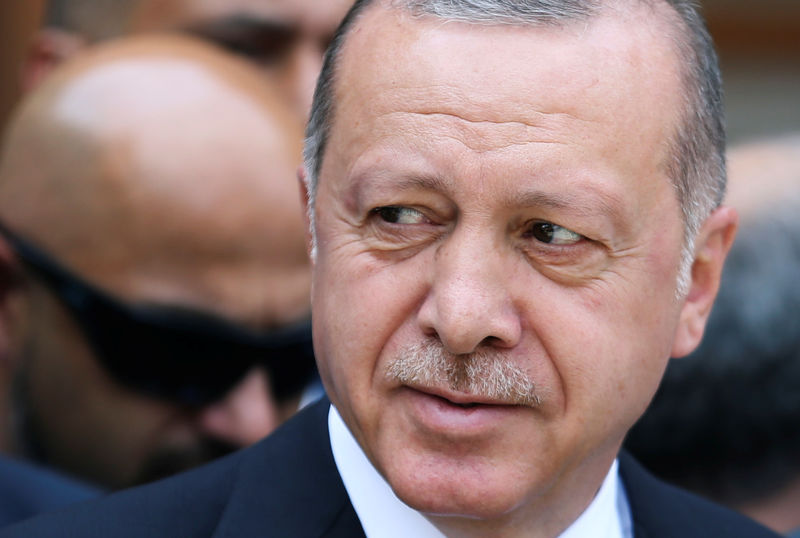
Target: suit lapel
x,y
659,510
649,511
305,496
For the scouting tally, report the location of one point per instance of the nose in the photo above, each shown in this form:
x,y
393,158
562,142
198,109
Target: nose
x,y
245,415
470,302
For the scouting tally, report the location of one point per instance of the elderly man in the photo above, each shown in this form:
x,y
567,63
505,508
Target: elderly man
x,y
155,280
724,420
285,38
515,220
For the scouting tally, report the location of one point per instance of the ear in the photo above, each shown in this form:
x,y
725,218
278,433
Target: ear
x,y
49,48
711,247
302,177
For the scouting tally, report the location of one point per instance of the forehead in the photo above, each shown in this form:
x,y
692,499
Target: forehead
x,y
613,71
310,15
507,108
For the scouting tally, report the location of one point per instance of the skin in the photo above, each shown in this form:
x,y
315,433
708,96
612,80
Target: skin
x,y
167,181
478,145
285,38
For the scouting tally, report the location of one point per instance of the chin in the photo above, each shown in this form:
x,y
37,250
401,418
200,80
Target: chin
x,y
467,492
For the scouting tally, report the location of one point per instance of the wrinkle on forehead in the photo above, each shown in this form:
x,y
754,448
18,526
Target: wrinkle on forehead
x,y
483,135
411,66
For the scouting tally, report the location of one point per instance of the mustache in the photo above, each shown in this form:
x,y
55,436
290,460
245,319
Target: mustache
x,y
486,373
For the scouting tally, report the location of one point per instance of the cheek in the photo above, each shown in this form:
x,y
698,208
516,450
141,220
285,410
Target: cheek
x,y
64,377
359,305
609,348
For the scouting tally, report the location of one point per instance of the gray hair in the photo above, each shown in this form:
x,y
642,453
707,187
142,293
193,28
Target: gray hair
x,y
696,163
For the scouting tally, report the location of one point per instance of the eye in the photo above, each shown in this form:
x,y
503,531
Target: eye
x,y
399,215
553,234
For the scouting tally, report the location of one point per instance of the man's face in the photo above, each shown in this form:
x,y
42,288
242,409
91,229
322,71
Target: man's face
x,y
81,418
494,289
221,234
285,37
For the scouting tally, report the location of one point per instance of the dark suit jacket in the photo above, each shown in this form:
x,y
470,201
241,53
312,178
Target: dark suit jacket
x,y
27,490
288,486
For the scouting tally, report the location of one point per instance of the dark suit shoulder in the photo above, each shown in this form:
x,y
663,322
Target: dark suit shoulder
x,y
285,485
660,510
188,504
292,487
27,490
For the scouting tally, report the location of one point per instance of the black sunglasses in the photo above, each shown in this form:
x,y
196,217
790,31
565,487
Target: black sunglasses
x,y
189,357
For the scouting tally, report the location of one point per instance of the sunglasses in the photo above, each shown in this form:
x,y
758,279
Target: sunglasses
x,y
184,356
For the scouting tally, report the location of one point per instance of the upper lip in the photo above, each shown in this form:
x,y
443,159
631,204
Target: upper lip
x,y
459,398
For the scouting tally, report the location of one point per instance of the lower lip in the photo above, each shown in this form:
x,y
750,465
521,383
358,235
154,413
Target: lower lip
x,y
440,415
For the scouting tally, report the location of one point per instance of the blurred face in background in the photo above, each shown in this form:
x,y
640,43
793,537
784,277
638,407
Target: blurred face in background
x,y
158,204
285,38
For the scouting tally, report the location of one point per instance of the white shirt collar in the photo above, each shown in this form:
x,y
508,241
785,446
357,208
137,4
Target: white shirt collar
x,y
383,515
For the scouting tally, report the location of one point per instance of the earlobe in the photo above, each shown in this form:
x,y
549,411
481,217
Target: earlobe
x,y
711,248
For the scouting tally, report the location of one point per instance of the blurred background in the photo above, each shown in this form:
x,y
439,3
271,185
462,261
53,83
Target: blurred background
x,y
758,42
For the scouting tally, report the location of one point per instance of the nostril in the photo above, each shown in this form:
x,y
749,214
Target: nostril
x,y
431,333
491,341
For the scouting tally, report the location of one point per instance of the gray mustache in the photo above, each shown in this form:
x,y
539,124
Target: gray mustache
x,y
484,373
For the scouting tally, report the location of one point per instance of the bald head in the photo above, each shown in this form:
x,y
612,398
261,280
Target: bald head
x,y
160,170
153,135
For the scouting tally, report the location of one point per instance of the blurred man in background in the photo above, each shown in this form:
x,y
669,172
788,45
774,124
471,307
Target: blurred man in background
x,y
154,298
724,422
286,38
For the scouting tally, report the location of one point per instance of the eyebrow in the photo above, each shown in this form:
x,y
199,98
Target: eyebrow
x,y
589,201
576,203
421,181
376,181
534,198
